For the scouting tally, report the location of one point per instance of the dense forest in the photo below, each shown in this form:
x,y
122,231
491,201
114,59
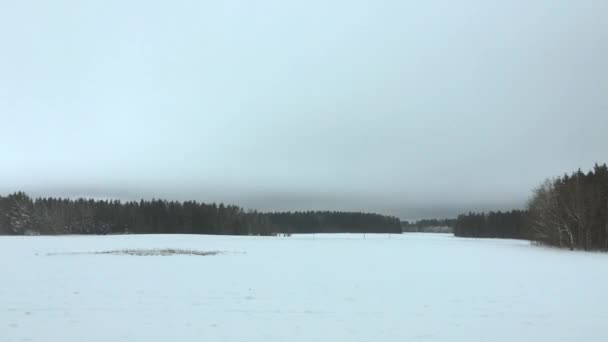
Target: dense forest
x,y
510,225
572,211
21,215
334,222
569,211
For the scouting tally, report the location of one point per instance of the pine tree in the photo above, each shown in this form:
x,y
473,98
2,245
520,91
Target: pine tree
x,y
20,214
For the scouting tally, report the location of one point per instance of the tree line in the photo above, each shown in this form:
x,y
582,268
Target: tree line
x,y
22,215
569,211
334,222
506,225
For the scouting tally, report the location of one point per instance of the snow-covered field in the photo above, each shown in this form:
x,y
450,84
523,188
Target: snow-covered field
x,y
325,288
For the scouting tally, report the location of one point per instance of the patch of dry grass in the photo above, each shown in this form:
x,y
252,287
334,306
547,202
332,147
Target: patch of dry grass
x,y
150,252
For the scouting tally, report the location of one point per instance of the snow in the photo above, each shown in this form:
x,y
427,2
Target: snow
x,y
428,287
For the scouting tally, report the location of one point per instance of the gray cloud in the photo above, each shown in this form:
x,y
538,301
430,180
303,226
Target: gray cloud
x,y
413,108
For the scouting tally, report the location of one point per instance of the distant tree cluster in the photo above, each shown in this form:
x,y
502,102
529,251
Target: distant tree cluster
x,y
428,225
21,215
334,222
507,225
572,211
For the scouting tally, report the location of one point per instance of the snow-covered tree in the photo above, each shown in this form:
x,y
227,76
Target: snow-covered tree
x,y
20,214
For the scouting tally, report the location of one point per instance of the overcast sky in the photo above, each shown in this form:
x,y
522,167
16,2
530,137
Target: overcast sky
x,y
411,108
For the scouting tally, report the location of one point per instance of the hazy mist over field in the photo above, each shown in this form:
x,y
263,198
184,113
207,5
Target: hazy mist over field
x,y
410,108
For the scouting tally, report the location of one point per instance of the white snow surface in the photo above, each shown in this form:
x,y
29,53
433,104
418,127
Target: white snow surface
x,y
427,287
